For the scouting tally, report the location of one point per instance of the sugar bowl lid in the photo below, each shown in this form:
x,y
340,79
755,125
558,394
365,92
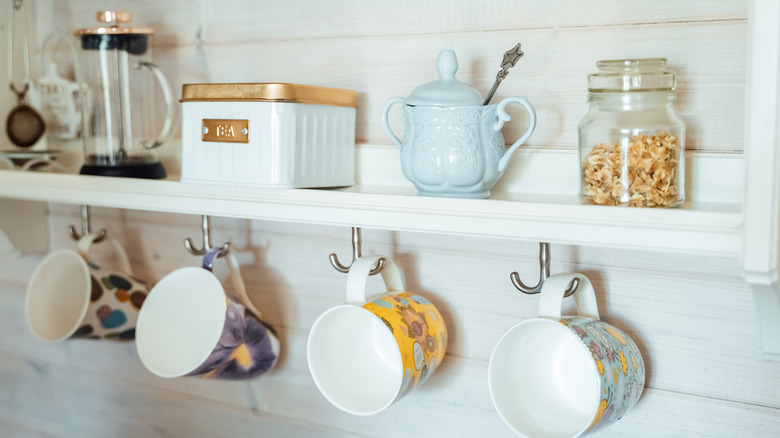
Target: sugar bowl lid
x,y
445,91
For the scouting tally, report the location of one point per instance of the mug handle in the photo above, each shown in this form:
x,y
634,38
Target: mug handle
x,y
551,297
234,274
504,117
88,239
359,273
386,124
167,129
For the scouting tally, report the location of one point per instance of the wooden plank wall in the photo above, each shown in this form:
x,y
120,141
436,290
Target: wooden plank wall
x,y
385,50
692,316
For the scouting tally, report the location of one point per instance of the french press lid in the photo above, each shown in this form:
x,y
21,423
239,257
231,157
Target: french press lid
x,y
112,36
445,91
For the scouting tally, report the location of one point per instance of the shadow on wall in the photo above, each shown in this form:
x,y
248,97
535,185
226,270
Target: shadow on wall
x,y
266,287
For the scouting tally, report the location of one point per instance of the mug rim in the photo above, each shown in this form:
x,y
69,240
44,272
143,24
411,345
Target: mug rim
x,y
35,278
216,294
387,335
552,322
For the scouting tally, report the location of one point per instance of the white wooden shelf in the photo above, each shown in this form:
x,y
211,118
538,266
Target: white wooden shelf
x,y
695,228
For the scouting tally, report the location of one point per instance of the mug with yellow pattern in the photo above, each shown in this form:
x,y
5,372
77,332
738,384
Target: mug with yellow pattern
x,y
368,353
564,376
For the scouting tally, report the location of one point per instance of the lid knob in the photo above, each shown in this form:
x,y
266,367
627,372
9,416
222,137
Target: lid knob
x,y
114,17
447,64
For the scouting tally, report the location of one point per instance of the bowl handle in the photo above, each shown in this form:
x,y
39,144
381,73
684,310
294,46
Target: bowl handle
x,y
504,117
386,125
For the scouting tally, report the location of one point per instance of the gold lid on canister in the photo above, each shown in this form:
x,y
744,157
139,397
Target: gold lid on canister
x,y
268,92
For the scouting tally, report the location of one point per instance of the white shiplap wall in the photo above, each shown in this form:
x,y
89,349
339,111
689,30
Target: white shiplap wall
x,y
691,316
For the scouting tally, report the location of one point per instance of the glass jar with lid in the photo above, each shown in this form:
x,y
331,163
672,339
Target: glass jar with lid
x,y
631,140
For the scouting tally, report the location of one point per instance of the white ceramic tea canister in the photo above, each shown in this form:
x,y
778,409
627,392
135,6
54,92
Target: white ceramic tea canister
x,y
453,145
268,134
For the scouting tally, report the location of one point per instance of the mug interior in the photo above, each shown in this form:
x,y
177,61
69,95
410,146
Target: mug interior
x,y
354,360
180,322
58,296
543,381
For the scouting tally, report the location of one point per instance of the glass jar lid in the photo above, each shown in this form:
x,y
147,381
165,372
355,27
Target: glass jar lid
x,y
627,75
445,91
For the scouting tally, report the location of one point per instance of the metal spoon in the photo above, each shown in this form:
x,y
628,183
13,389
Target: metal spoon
x,y
510,59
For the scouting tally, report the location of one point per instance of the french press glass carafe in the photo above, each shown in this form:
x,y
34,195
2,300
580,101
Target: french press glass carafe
x,y
115,62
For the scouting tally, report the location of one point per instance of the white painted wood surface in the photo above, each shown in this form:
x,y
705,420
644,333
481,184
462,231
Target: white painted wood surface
x,y
24,224
541,205
692,316
389,49
762,187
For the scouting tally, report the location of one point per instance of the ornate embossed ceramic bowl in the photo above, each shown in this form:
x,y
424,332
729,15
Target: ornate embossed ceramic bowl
x,y
453,145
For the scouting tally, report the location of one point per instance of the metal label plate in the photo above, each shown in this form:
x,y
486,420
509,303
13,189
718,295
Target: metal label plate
x,y
224,130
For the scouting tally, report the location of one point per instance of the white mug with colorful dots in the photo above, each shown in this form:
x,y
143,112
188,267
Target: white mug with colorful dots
x,y
71,296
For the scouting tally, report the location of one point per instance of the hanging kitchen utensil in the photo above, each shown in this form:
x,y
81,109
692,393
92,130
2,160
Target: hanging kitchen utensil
x,y
24,124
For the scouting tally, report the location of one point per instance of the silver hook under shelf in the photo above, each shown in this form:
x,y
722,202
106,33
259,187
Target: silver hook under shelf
x,y
544,272
206,230
86,226
357,252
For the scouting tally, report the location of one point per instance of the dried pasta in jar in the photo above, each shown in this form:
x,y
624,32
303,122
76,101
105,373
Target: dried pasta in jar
x,y
645,174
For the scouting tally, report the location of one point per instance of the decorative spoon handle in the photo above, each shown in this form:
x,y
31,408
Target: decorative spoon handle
x,y
510,59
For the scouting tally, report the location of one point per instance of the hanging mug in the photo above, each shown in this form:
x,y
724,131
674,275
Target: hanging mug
x,y
564,376
72,296
365,355
191,326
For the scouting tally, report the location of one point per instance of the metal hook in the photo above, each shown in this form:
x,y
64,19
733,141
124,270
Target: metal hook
x,y
86,226
356,254
544,272
206,229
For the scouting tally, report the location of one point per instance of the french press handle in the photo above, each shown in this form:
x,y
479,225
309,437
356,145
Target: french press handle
x,y
167,129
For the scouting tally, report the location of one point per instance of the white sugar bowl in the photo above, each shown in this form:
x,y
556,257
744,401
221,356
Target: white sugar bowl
x,y
453,145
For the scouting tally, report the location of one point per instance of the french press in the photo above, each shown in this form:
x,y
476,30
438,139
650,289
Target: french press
x,y
115,62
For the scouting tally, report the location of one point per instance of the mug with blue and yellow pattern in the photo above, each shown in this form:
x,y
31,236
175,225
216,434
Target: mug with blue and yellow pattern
x,y
564,376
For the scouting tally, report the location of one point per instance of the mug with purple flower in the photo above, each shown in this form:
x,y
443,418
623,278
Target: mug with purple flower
x,y
564,376
191,326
